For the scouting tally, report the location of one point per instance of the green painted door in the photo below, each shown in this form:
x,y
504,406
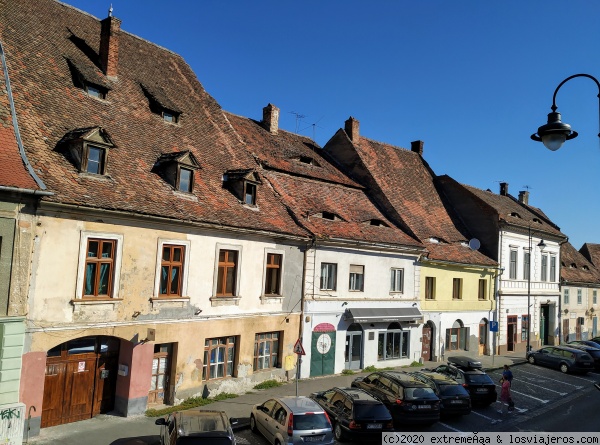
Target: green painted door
x,y
322,353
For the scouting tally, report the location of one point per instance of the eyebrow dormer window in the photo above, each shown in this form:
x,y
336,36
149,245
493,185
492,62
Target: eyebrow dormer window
x,y
250,194
170,116
186,180
95,91
95,160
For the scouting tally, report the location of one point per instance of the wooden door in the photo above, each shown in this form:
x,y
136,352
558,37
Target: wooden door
x,y
160,374
54,388
565,330
483,330
511,332
426,344
79,389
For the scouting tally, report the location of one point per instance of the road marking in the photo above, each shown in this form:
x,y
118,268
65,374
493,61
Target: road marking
x,y
547,389
485,417
554,380
451,428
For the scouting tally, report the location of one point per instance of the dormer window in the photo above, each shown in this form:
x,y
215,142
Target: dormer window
x,y
243,184
250,193
377,222
170,116
161,104
535,220
307,160
328,215
87,77
515,215
434,240
87,149
95,91
178,169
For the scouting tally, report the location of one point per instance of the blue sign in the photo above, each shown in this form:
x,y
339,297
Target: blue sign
x,y
493,326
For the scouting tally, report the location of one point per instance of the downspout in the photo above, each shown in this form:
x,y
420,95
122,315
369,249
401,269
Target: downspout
x,y
497,283
16,125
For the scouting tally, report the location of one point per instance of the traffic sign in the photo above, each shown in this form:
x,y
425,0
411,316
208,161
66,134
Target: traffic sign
x,y
298,349
493,326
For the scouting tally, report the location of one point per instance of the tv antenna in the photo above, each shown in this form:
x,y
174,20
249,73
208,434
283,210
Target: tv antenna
x,y
314,125
526,187
299,117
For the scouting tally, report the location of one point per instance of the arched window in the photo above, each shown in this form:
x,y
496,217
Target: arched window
x,y
393,343
457,337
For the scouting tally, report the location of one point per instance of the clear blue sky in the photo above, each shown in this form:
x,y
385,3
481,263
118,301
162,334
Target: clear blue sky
x,y
473,79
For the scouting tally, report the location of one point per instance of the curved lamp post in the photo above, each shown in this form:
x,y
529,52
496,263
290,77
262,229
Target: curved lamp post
x,y
554,134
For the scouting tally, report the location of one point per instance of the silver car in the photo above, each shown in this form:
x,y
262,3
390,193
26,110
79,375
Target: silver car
x,y
292,421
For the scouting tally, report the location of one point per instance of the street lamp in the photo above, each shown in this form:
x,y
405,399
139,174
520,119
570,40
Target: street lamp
x,y
554,134
542,246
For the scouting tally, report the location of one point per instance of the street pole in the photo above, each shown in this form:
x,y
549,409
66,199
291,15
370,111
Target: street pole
x,y
299,362
529,295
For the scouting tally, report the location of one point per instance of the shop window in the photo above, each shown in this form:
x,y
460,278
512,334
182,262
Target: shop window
x,y
393,343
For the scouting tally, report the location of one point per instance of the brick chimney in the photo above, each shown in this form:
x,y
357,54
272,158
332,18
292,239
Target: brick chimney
x,y
504,188
351,127
271,118
524,197
417,147
109,44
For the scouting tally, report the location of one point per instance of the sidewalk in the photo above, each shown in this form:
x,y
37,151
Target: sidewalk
x,y
140,430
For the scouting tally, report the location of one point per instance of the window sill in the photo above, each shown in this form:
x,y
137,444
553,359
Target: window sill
x,y
169,301
225,301
271,299
79,302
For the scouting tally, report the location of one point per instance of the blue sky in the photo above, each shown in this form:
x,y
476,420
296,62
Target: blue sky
x,y
472,79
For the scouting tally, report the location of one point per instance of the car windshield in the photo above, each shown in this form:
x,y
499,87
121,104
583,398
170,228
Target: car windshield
x,y
310,421
370,411
585,357
419,393
453,390
196,440
482,379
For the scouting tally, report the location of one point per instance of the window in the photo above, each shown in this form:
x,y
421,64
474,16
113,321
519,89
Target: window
x,y
357,278
579,299
526,265
595,297
553,268
273,274
171,270
393,343
227,274
544,267
95,91
430,288
219,358
266,350
397,284
328,276
170,116
566,297
457,289
185,181
250,193
99,268
524,327
482,294
512,272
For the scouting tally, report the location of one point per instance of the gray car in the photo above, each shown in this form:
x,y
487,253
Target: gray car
x,y
292,421
190,427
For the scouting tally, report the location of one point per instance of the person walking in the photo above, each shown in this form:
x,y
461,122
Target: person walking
x,y
507,374
505,397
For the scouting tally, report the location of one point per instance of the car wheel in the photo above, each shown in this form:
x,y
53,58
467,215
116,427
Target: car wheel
x,y
338,433
253,425
532,359
564,368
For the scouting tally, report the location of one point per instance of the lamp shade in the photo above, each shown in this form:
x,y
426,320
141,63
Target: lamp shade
x,y
554,134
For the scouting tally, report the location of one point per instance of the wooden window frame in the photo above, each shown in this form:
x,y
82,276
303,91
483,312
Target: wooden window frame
x,y
250,189
482,289
190,188
224,266
174,117
457,288
395,271
430,288
272,268
225,343
274,354
170,264
90,90
98,261
85,159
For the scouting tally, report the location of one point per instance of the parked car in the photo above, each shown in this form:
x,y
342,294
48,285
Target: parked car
x,y
454,398
592,343
567,359
467,372
595,339
409,400
594,351
191,427
354,413
292,420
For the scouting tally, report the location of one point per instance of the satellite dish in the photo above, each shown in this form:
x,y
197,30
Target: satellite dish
x,y
474,244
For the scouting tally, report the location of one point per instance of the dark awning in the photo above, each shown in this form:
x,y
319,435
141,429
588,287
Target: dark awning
x,y
388,315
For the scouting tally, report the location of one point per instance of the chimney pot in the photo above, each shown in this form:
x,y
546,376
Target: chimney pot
x,y
351,127
271,118
524,197
109,45
417,147
504,188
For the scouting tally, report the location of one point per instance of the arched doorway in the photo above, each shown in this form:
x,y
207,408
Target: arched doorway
x,y
428,342
322,350
483,336
457,337
80,380
353,351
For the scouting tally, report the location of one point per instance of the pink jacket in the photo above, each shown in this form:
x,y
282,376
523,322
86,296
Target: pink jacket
x,y
505,393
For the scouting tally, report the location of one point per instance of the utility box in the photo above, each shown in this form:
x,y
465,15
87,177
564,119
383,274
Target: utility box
x,y
12,423
290,363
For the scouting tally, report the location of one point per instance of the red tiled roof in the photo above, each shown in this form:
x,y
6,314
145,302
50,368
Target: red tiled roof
x,y
39,37
591,252
575,268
